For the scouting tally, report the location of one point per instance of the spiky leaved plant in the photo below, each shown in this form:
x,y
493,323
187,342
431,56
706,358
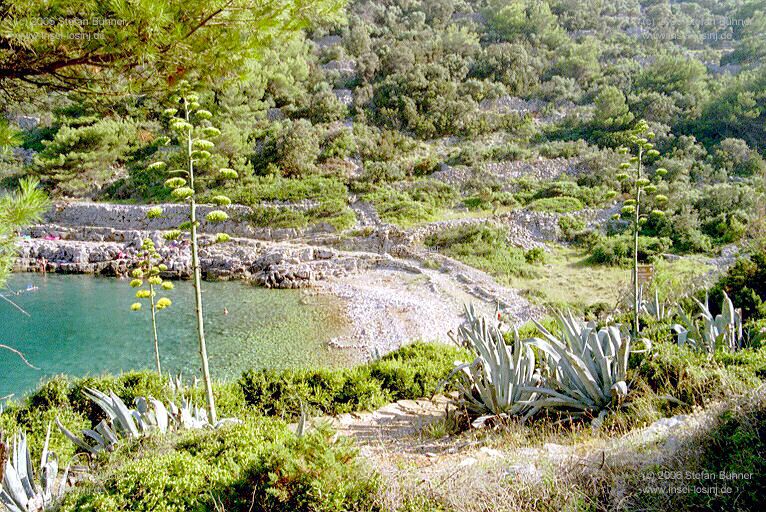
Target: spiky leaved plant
x,y
20,490
191,128
707,332
587,367
146,277
501,380
640,188
150,415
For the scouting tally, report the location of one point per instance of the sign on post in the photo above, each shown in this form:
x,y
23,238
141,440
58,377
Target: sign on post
x,y
645,274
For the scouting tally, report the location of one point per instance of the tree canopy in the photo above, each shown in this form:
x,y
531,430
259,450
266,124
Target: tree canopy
x,y
135,45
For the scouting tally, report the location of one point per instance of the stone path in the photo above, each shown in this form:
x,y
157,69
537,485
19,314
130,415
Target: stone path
x,y
397,442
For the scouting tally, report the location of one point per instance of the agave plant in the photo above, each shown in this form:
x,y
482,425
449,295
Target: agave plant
x,y
655,308
707,332
586,368
150,415
20,492
501,379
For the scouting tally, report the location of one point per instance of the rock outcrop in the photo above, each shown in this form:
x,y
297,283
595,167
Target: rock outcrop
x,y
271,265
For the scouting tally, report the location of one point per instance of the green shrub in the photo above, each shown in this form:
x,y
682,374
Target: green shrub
x,y
408,373
275,217
419,201
570,227
259,465
335,213
280,393
414,371
252,190
745,283
618,250
562,204
535,256
694,379
81,158
482,246
488,199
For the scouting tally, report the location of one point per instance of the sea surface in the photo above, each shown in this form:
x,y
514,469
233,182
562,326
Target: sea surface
x,y
82,325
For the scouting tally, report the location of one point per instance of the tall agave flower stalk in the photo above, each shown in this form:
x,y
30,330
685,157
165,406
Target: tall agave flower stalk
x,y
21,491
146,277
191,128
640,189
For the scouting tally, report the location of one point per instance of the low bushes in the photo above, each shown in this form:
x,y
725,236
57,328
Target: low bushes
x,y
562,204
722,464
258,465
481,246
411,372
618,250
418,201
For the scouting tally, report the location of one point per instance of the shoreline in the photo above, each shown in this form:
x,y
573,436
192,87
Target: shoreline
x,y
393,290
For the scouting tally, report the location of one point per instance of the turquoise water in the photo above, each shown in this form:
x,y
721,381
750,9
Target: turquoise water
x,y
80,325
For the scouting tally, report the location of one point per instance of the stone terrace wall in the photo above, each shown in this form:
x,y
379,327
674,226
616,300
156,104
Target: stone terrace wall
x,y
133,217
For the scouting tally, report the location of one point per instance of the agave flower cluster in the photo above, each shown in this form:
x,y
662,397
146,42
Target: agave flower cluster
x,y
581,373
147,279
21,491
148,274
150,415
191,127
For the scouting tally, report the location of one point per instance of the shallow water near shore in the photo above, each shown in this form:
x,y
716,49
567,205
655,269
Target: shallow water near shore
x,y
82,325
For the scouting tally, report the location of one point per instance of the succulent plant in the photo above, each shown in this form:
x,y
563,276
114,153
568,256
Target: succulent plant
x,y
707,332
655,308
150,415
501,378
20,491
586,367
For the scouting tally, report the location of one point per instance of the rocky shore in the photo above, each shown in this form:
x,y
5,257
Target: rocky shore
x,y
104,251
391,297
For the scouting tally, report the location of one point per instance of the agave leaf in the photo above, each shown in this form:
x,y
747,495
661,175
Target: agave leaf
x,y
161,415
109,435
124,417
9,503
301,429
102,401
76,440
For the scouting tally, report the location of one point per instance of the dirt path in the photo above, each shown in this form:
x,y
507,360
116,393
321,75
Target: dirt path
x,y
402,442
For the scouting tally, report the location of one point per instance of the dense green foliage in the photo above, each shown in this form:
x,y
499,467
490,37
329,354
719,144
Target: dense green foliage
x,y
411,372
259,461
745,283
367,104
18,209
482,246
135,47
259,464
